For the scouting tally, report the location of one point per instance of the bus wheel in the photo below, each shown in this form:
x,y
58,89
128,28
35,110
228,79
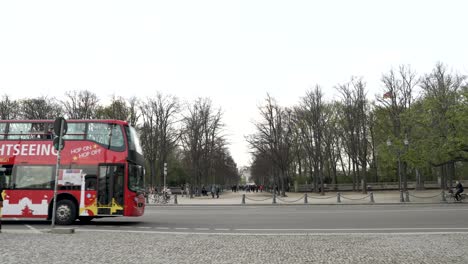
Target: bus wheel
x,y
65,213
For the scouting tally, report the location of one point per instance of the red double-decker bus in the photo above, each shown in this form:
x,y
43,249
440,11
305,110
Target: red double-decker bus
x,y
101,172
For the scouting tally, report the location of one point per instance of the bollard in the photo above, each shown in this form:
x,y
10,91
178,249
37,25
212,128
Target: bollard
x,y
305,198
372,197
407,197
175,198
338,197
443,197
243,199
402,200
274,198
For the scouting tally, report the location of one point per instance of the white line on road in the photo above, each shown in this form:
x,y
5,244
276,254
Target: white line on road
x,y
165,228
144,227
355,229
275,234
33,229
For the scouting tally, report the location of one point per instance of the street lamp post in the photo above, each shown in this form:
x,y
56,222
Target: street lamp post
x,y
406,143
400,183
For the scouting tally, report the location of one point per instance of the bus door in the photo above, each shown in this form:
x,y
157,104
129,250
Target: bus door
x,y
110,189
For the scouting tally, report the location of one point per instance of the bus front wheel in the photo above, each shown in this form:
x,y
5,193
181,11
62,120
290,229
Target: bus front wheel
x,y
65,213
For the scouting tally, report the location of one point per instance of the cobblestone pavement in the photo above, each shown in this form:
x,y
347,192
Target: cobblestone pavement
x,y
122,247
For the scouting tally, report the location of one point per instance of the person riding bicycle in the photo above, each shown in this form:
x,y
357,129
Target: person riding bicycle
x,y
459,189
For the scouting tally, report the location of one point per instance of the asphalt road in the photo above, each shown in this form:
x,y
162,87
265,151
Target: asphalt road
x,y
290,219
364,234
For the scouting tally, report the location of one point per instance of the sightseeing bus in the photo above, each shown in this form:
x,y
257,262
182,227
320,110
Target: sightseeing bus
x,y
100,174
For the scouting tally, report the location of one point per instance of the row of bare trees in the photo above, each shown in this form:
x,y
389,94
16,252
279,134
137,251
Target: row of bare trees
x,y
188,137
400,136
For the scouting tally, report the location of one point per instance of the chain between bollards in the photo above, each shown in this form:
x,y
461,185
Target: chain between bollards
x,y
371,197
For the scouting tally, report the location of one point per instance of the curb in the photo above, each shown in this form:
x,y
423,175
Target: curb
x,y
301,204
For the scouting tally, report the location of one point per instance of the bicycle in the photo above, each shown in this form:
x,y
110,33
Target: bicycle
x,y
162,198
450,196
152,198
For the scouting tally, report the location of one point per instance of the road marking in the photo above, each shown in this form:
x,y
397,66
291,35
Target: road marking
x,y
274,234
201,228
181,228
222,229
354,229
144,227
33,229
164,228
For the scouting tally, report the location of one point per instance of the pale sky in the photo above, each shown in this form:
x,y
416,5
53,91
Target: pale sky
x,y
234,52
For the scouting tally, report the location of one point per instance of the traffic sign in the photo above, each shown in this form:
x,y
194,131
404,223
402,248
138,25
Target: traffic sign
x,y
60,129
57,145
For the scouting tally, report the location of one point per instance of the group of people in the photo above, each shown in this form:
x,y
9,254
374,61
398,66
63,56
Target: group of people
x,y
214,191
247,188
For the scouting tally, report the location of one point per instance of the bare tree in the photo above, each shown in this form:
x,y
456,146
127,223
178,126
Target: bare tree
x,y
133,113
39,108
158,132
201,138
80,104
117,109
262,169
355,120
312,132
274,138
397,101
8,109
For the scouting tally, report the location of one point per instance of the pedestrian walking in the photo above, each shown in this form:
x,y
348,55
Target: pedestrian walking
x,y
459,189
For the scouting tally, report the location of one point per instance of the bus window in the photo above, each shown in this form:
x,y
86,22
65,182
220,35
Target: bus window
x,y
75,131
33,177
109,135
19,131
90,182
2,130
5,177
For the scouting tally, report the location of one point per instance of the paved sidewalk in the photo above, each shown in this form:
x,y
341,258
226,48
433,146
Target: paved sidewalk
x,y
265,198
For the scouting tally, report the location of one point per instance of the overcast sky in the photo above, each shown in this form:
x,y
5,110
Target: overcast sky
x,y
234,52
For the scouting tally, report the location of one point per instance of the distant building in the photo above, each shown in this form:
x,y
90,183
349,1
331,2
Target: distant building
x,y
245,175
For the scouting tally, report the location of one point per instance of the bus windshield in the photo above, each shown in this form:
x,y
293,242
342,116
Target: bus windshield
x,y
134,140
136,177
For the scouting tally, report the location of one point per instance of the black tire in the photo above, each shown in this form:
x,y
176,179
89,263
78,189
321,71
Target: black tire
x,y
65,212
